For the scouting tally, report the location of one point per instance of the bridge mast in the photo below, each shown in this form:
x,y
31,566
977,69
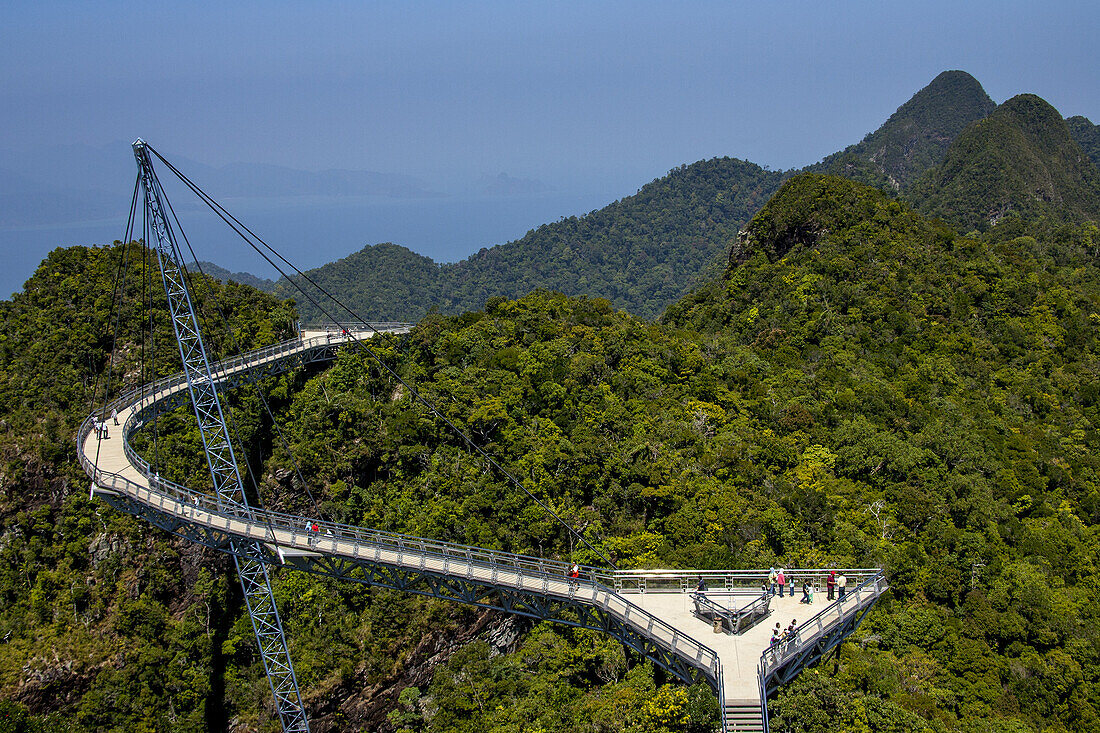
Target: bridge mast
x,y
219,454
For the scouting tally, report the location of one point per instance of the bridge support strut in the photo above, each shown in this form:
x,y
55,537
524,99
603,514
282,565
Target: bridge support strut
x,y
219,453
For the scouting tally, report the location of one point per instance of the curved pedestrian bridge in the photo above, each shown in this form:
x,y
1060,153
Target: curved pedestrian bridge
x,y
650,611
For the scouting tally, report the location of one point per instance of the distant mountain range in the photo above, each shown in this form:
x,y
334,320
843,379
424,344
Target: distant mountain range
x,y
244,278
949,150
641,252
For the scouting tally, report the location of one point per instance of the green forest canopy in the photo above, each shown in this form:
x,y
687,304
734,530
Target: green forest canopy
x,y
864,386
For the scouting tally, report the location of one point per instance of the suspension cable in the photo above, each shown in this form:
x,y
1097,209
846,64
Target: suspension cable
x,y
235,347
234,223
115,313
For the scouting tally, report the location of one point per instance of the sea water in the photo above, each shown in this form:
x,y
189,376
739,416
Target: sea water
x,y
311,231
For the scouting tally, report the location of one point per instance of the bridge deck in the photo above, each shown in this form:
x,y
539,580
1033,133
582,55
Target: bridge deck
x,y
740,653
662,614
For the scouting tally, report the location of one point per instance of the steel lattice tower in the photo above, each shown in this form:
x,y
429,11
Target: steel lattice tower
x,y
219,453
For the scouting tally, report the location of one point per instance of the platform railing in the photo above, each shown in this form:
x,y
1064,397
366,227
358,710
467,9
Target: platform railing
x,y
854,600
525,573
761,680
738,618
358,326
748,582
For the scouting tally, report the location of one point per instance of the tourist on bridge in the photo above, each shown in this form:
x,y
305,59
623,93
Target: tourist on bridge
x,y
842,584
701,586
830,585
771,579
781,580
790,584
807,592
574,576
114,415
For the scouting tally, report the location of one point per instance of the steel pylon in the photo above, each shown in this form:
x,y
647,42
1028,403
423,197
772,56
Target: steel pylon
x,y
219,453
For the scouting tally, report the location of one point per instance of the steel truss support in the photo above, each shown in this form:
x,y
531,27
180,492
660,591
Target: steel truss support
x,y
569,612
219,452
813,653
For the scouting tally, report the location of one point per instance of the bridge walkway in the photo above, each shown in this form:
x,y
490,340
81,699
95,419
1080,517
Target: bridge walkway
x,y
651,611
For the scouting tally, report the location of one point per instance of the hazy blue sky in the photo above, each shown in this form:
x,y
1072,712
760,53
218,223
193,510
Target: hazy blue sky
x,y
593,98
563,91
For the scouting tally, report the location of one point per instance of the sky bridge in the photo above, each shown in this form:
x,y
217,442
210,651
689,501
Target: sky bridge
x,y
722,639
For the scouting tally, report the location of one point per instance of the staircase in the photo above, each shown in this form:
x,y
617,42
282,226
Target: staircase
x,y
743,716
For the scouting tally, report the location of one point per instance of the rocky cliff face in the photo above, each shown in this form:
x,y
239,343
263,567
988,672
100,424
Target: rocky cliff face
x,y
355,705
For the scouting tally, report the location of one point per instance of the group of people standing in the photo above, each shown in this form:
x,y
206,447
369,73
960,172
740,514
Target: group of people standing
x,y
102,431
313,531
779,580
836,586
835,583
781,635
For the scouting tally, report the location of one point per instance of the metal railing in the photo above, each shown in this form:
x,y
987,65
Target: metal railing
x,y
734,581
241,362
841,609
763,697
737,619
358,326
530,574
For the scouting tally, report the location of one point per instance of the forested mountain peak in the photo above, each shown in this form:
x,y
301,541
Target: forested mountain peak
x,y
1021,159
1087,136
384,282
814,221
916,136
806,208
641,252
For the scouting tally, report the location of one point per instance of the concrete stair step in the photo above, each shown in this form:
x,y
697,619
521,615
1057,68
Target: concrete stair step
x,y
743,716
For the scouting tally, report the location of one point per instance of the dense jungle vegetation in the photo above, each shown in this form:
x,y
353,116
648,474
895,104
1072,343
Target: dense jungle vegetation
x,y
863,387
